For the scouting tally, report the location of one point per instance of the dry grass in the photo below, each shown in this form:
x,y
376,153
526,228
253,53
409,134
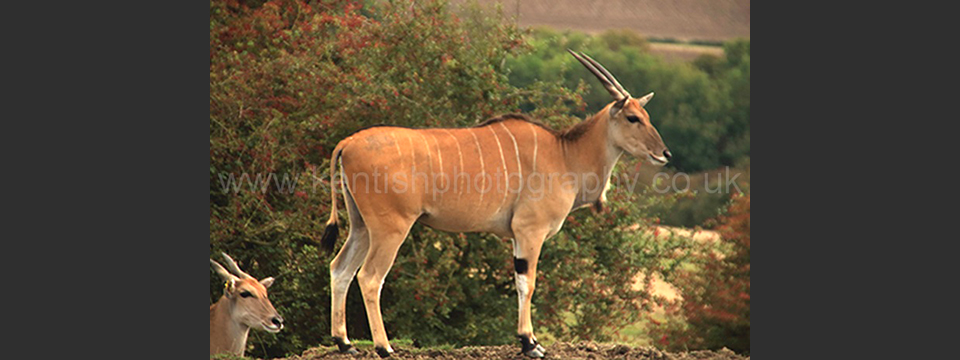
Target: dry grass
x,y
683,20
684,52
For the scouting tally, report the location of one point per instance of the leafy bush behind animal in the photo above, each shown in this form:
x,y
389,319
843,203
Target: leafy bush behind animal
x,y
715,311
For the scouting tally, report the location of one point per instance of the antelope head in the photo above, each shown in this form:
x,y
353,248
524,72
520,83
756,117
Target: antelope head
x,y
247,298
628,125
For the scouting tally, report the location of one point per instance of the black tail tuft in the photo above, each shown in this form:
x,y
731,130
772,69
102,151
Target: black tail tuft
x,y
329,237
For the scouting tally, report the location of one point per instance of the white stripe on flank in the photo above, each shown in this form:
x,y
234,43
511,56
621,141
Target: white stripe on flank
x,y
439,152
397,144
483,171
413,155
534,131
429,156
516,151
434,178
504,162
460,154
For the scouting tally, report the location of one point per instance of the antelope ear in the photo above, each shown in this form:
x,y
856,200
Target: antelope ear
x,y
229,288
266,282
617,106
643,101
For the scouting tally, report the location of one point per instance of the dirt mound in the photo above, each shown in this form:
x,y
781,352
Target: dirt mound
x,y
581,350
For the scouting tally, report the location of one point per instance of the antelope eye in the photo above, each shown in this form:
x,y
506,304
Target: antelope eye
x,y
632,118
246,294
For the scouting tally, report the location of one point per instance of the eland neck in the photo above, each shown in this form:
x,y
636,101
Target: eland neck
x,y
591,156
227,334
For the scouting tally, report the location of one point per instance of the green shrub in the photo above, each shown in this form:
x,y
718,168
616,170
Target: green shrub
x,y
715,311
590,269
705,195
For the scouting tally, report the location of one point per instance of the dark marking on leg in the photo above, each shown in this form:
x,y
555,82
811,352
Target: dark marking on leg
x,y
526,344
343,347
520,265
531,347
382,352
598,206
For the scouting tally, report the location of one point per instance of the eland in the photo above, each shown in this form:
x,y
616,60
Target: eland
x,y
244,305
510,176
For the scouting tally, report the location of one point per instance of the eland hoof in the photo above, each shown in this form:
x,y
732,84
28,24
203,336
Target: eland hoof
x,y
530,347
345,348
382,352
535,353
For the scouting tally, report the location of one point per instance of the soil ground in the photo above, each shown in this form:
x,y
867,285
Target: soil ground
x,y
560,350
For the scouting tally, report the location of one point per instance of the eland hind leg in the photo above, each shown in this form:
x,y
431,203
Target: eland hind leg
x,y
342,270
386,236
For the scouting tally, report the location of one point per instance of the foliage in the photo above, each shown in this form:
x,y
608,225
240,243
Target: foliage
x,y
702,111
289,79
590,285
716,293
705,195
451,288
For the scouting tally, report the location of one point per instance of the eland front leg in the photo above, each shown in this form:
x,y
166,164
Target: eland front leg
x,y
526,252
